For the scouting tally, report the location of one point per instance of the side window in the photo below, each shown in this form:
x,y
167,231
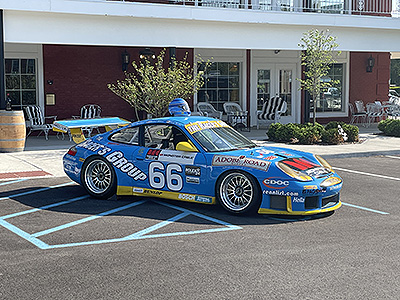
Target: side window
x,y
127,136
162,136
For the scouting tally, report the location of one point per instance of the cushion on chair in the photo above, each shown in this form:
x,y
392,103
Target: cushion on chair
x,y
270,108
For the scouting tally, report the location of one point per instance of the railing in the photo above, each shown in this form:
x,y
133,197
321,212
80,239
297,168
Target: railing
x,y
386,8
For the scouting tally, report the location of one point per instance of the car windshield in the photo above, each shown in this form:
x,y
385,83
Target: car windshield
x,y
222,139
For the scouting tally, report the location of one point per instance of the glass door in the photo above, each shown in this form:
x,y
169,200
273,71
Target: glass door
x,y
276,80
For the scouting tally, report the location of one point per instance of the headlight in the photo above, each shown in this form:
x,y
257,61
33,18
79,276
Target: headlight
x,y
293,173
331,181
324,163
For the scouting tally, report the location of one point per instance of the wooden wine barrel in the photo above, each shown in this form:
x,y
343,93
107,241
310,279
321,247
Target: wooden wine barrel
x,y
12,131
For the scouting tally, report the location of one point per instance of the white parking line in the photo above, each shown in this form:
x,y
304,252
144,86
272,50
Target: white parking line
x,y
365,208
396,157
368,174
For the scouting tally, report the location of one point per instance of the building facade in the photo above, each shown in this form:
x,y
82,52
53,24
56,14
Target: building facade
x,y
61,54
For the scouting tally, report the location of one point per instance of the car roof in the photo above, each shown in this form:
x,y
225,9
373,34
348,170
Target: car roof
x,y
178,121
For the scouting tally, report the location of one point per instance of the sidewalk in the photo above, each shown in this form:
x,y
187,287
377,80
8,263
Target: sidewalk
x,y
44,158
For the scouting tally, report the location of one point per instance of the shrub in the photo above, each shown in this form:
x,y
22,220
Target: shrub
x,y
392,128
352,132
384,123
312,133
332,136
274,131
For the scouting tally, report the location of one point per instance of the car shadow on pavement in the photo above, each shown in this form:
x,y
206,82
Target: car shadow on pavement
x,y
72,199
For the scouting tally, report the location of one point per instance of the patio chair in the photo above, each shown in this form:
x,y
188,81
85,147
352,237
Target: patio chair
x,y
89,111
374,112
37,120
236,117
356,115
271,111
393,111
208,110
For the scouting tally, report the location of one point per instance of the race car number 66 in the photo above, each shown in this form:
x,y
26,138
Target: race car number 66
x,y
157,179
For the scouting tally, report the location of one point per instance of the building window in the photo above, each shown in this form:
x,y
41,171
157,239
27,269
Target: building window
x,y
221,84
21,81
332,98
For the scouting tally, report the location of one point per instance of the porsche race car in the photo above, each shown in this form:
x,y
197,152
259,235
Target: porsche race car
x,y
203,160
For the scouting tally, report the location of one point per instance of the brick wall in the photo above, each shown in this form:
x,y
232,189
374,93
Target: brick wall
x,y
366,86
80,74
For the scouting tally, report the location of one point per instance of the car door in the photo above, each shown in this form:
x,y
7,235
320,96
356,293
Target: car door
x,y
172,174
126,146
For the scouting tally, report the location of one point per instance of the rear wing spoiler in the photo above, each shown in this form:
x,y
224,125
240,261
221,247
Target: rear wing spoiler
x,y
75,126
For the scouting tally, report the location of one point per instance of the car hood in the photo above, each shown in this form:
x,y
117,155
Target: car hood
x,y
269,153
263,158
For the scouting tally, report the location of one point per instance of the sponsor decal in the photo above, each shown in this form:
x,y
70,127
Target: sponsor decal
x,y
276,183
193,171
116,158
265,154
203,199
138,190
271,157
152,192
195,180
187,197
81,159
120,162
180,157
298,199
314,191
198,126
95,147
225,160
280,193
153,154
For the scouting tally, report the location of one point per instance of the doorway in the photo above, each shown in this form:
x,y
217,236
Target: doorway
x,y
273,80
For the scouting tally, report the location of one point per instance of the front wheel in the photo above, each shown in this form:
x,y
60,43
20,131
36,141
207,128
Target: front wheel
x,y
98,178
238,192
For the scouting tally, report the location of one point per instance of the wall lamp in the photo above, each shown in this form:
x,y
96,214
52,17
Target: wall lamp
x,y
147,54
126,58
370,63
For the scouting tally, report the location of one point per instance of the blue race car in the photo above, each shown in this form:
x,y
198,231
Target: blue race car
x,y
204,160
199,159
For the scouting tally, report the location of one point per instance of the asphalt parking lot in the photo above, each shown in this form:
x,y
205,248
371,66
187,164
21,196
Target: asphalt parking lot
x,y
58,243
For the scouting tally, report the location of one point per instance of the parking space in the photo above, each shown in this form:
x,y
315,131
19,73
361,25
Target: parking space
x,y
58,243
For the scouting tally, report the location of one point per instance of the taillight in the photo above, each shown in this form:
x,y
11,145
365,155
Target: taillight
x,y
72,151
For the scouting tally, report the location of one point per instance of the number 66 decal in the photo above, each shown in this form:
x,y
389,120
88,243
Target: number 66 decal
x,y
157,179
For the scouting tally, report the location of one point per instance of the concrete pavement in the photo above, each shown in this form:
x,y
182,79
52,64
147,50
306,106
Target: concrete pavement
x,y
44,158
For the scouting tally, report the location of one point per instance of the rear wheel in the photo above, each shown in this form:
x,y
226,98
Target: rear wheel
x,y
238,192
98,178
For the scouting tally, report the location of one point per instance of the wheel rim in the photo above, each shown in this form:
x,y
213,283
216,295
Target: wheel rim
x,y
98,176
236,191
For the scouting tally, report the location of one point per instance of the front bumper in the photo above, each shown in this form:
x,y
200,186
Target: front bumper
x,y
302,199
284,206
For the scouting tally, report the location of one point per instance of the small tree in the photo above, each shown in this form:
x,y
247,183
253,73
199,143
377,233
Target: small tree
x,y
151,88
318,56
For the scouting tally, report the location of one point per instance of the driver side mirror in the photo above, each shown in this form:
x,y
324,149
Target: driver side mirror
x,y
185,146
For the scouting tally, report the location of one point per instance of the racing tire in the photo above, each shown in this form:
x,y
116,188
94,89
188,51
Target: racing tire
x,y
238,193
98,178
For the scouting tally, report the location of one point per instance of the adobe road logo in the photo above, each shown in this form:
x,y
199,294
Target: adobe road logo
x,y
276,183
